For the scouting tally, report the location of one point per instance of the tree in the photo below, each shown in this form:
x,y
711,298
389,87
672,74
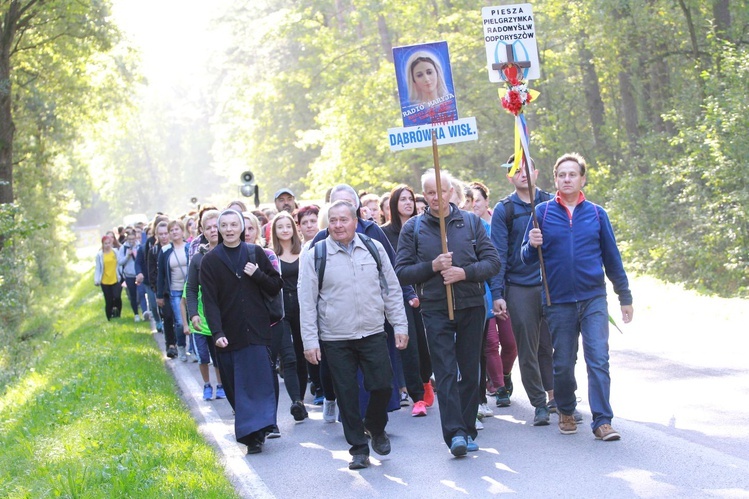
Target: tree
x,y
34,34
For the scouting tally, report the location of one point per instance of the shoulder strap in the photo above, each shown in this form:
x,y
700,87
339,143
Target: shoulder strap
x,y
251,252
321,253
376,255
417,225
474,221
509,211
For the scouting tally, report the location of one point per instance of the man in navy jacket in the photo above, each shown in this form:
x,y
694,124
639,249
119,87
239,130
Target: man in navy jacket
x,y
578,245
454,345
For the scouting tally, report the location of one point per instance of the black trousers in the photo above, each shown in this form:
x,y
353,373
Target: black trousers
x,y
294,329
370,354
281,345
411,356
167,316
112,298
455,347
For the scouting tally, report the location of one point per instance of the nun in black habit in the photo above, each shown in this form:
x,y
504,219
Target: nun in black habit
x,y
237,316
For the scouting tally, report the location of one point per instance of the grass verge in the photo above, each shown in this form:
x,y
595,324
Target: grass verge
x,y
98,415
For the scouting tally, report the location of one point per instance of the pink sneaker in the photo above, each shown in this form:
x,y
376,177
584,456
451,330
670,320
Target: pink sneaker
x,y
420,409
428,394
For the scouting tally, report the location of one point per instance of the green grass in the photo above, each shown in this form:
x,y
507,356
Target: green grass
x,y
97,414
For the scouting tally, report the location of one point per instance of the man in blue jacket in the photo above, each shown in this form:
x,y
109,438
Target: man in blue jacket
x,y
578,244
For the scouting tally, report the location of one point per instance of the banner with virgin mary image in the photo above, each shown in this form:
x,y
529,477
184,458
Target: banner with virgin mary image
x,y
425,84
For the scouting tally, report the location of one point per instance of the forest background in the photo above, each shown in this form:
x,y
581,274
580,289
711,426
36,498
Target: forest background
x,y
652,92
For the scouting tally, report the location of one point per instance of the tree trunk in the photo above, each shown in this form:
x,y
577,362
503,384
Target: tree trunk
x,y
7,128
593,100
385,42
722,15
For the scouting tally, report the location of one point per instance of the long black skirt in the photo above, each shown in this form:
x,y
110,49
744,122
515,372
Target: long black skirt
x,y
247,375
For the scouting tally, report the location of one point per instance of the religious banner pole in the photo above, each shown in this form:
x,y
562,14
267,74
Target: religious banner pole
x,y
430,115
443,231
516,95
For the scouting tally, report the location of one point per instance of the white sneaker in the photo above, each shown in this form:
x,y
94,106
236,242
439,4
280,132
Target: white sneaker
x,y
479,425
181,354
328,411
485,411
137,318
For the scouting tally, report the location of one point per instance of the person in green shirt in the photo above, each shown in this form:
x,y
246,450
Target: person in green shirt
x,y
192,301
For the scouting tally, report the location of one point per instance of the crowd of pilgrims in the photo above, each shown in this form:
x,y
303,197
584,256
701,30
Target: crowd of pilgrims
x,y
159,266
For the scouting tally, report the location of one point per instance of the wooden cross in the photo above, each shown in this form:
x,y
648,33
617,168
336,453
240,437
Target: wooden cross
x,y
500,66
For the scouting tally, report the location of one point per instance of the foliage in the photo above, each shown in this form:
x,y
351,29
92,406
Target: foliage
x,y
647,90
79,421
66,73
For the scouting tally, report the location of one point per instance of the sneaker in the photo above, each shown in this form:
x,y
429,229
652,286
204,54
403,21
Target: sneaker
x,y
552,406
171,351
328,411
137,318
147,315
207,391
298,411
542,416
428,394
220,394
508,384
606,433
471,446
567,424
485,411
479,425
459,446
420,409
359,462
578,416
503,398
318,400
380,443
181,354
404,399
273,432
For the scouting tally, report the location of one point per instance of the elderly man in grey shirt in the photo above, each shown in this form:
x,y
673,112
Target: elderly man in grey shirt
x,y
345,315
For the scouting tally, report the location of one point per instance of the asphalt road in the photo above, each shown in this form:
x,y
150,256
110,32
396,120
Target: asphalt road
x,y
680,393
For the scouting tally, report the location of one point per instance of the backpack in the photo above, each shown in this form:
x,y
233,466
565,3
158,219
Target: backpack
x,y
321,255
273,303
510,214
474,224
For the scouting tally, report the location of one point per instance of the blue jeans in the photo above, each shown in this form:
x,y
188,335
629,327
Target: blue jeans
x,y
591,319
175,297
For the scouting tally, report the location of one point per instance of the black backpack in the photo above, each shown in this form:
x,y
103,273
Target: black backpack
x,y
321,256
474,227
510,214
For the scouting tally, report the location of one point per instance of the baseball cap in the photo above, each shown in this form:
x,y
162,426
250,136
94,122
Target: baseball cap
x,y
283,191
